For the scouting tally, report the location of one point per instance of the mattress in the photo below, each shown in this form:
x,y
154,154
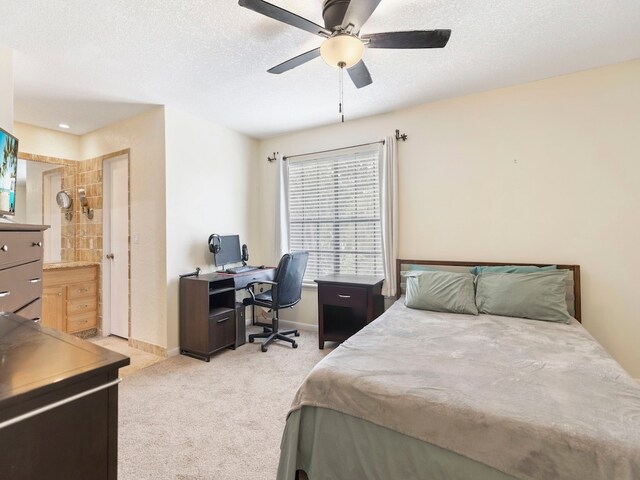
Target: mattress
x,y
525,399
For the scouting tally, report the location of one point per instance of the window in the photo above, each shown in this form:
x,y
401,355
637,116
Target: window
x,y
334,211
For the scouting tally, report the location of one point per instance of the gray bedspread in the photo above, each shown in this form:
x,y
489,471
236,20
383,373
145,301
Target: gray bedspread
x,y
536,400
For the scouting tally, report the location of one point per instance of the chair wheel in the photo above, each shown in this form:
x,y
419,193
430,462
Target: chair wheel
x,y
294,345
251,340
263,348
296,334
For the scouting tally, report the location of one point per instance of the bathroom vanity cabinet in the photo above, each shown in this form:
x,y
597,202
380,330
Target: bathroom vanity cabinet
x,y
70,296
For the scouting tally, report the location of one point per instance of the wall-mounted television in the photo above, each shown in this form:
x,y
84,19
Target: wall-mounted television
x,y
8,172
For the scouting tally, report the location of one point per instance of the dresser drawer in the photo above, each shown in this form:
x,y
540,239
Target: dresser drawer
x,y
79,290
342,296
77,322
33,311
20,286
19,247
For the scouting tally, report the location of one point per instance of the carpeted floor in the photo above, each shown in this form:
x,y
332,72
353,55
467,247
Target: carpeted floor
x,y
186,419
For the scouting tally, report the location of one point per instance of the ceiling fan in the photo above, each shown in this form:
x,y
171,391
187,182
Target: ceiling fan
x,y
344,46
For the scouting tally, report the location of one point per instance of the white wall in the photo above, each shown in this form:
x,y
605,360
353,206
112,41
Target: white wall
x,y
144,136
542,172
51,143
6,89
207,191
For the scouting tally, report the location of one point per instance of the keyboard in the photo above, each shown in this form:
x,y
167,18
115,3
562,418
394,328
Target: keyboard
x,y
244,269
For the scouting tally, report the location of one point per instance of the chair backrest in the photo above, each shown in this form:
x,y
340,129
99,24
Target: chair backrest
x,y
289,278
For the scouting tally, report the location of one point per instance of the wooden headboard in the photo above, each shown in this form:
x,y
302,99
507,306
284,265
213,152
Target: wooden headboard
x,y
575,269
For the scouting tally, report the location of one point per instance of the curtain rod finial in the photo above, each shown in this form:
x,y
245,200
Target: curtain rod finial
x,y
400,136
272,159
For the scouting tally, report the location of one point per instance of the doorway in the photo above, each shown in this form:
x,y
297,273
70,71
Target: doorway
x,y
51,185
115,271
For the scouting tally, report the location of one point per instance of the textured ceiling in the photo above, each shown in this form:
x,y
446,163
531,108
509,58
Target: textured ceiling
x,y
89,63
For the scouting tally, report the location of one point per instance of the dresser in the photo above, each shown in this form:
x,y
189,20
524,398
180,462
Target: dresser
x,y
58,404
346,303
21,269
70,296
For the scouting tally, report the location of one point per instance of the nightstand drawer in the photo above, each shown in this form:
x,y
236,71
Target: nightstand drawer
x,y
342,296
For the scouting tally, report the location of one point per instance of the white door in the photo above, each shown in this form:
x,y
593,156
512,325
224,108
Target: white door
x,y
116,246
51,215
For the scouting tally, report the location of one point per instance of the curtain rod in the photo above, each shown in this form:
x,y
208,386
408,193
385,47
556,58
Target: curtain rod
x,y
399,137
332,150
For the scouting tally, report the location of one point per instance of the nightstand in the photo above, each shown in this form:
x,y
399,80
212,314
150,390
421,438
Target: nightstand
x,y
346,303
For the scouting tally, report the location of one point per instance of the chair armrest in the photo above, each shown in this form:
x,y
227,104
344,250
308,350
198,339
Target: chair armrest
x,y
251,284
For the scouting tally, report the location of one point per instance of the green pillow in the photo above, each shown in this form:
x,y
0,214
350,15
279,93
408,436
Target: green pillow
x,y
440,291
538,296
511,269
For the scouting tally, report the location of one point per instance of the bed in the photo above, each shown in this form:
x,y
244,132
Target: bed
x,y
420,394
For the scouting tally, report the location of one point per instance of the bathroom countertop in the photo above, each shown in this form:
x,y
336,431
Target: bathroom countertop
x,y
56,266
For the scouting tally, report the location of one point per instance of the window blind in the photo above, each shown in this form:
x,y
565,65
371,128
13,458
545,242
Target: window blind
x,y
334,211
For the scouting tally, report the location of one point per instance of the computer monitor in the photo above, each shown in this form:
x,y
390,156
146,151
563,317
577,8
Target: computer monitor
x,y
229,250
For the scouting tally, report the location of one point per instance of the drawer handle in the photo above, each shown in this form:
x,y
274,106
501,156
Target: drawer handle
x,y
35,280
223,319
36,244
344,296
4,248
6,293
82,306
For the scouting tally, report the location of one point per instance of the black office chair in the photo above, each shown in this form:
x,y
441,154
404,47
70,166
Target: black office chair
x,y
286,291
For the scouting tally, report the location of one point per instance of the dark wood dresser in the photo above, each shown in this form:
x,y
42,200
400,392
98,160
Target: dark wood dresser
x,y
21,269
58,404
346,303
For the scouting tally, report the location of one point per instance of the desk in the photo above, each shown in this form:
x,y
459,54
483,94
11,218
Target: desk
x,y
210,319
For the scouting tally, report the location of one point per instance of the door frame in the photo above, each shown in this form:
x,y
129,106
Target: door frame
x,y
106,225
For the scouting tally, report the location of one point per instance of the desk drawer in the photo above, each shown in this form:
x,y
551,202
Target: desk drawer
x,y
222,329
20,286
19,247
342,296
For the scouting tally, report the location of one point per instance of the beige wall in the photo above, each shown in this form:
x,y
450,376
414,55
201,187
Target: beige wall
x,y
6,90
542,172
144,136
207,191
51,143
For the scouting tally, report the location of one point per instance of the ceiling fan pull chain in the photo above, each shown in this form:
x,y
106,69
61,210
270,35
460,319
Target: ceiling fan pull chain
x,y
341,88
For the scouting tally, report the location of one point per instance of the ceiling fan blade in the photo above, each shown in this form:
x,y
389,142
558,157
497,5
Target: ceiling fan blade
x,y
360,75
358,13
295,61
285,16
411,39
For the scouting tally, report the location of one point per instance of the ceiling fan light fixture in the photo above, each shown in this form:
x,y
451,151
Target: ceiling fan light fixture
x,y
342,49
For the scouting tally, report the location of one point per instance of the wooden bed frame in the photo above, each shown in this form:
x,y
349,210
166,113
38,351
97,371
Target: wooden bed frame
x,y
574,268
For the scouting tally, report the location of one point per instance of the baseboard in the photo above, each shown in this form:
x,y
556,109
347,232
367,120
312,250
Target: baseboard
x,y
148,347
174,352
307,327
